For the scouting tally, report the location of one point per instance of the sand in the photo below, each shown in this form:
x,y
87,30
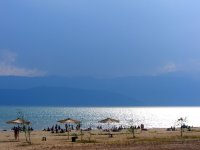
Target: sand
x,y
152,139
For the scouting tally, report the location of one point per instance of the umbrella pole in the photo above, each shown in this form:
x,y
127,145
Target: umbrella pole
x,y
68,134
109,128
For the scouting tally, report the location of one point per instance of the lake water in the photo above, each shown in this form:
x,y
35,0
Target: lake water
x,y
156,117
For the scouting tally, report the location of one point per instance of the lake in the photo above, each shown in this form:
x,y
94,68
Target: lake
x,y
151,117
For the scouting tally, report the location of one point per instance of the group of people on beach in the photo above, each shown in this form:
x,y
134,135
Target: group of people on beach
x,y
68,128
18,129
57,129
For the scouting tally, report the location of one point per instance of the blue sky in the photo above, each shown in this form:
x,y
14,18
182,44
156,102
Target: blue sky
x,y
99,38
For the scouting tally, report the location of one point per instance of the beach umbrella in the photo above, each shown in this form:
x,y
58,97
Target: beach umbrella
x,y
18,121
21,122
69,120
109,120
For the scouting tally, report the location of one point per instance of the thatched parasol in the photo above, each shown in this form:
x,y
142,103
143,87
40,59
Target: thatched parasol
x,y
19,121
109,120
69,120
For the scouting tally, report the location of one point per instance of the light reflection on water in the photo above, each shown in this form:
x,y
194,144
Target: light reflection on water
x,y
156,117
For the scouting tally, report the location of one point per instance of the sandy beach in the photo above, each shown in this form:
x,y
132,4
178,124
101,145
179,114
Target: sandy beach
x,y
96,139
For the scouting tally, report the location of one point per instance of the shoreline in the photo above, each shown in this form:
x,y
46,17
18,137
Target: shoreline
x,y
94,129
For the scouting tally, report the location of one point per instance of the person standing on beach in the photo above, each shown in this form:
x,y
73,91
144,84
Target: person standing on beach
x,y
16,134
18,129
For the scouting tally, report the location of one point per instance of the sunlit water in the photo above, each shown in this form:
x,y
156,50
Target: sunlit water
x,y
151,117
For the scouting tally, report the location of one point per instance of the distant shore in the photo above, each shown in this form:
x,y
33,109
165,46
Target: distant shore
x,y
155,138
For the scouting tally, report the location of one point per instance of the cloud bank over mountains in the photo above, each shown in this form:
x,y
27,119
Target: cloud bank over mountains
x,y
9,67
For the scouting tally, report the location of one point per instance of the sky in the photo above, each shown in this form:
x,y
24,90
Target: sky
x,y
99,38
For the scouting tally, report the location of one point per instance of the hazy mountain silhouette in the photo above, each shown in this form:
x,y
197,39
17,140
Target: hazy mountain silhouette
x,y
60,96
130,91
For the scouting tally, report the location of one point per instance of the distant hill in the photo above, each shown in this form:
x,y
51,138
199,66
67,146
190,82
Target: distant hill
x,y
59,96
130,91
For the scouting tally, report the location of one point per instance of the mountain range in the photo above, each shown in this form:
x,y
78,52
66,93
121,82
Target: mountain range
x,y
87,91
